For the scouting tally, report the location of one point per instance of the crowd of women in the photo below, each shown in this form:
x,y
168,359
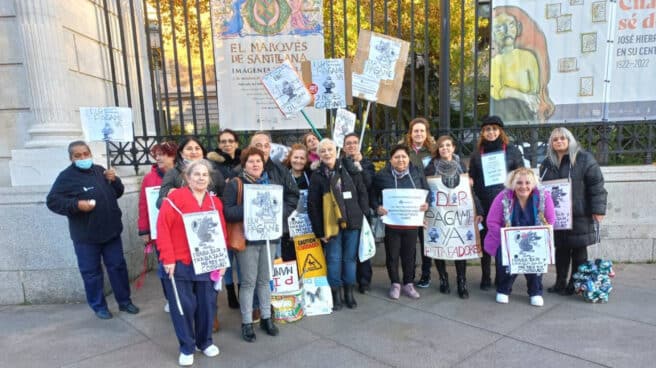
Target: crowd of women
x,y
342,192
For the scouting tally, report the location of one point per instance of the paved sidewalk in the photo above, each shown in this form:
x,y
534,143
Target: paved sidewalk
x,y
435,331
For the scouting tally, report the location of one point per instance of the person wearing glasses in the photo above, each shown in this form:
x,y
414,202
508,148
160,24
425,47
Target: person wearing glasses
x,y
488,165
226,160
566,160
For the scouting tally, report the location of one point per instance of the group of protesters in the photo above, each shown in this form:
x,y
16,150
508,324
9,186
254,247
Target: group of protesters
x,y
342,192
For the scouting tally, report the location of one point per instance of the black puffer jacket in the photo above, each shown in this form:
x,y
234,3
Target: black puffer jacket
x,y
514,160
353,205
384,179
588,196
225,163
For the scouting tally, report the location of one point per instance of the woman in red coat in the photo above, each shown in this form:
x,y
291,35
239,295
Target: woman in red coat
x,y
196,293
164,155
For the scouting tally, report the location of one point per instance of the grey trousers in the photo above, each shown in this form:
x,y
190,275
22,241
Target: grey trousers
x,y
254,278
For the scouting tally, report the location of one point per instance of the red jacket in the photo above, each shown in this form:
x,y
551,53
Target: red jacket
x,y
171,237
152,179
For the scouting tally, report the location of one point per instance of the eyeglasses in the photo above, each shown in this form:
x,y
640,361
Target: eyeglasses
x,y
556,139
227,141
490,128
261,146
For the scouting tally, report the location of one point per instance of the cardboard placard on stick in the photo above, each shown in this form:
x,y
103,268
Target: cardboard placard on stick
x,y
327,78
380,57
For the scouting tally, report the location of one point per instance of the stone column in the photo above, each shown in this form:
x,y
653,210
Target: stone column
x,y
54,125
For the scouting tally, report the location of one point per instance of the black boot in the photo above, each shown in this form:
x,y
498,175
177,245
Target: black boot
x,y
486,280
337,298
444,276
233,302
461,271
247,332
558,287
569,289
348,297
267,325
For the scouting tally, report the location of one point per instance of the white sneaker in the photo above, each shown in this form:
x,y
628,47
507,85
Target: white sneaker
x,y
166,308
502,298
211,351
186,359
537,301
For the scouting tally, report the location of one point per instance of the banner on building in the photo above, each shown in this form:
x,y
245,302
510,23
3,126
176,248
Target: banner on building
x,y
573,61
451,231
251,38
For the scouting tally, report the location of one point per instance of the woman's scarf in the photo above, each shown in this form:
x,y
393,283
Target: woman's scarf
x,y
491,146
263,179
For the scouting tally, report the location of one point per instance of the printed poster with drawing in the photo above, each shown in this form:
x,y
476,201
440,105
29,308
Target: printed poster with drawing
x,y
152,194
383,55
287,89
317,298
344,124
107,124
263,211
309,256
299,220
451,231
527,249
328,78
561,194
206,241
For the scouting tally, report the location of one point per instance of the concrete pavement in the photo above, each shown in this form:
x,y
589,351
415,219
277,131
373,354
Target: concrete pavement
x,y
434,331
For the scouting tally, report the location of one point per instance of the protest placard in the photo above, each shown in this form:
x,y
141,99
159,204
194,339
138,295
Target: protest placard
x,y
494,168
317,298
451,231
527,249
344,124
206,241
107,124
329,81
287,89
152,194
561,194
285,277
402,206
263,211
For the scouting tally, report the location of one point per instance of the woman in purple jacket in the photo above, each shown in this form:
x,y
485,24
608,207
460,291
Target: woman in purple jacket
x,y
521,204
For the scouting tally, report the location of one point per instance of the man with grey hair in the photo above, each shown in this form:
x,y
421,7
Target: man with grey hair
x,y
87,195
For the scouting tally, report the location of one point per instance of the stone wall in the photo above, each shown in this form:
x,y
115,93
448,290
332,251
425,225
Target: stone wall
x,y
38,265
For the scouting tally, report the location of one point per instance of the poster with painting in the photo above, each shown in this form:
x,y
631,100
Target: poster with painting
x,y
527,249
206,241
107,124
263,211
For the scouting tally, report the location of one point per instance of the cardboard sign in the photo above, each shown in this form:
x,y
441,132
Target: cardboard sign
x,y
451,220
285,277
329,81
287,89
527,249
262,211
107,124
309,256
382,58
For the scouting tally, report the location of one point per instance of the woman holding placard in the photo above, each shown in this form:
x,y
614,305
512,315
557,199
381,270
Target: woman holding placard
x,y
191,295
254,263
400,241
566,160
337,201
448,166
164,155
493,158
520,204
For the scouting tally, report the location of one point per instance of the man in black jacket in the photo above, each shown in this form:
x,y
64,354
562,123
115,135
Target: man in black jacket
x,y
87,194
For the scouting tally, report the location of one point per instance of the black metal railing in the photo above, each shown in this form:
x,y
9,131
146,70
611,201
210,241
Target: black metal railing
x,y
183,92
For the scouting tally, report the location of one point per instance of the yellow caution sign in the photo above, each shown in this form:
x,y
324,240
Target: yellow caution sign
x,y
309,256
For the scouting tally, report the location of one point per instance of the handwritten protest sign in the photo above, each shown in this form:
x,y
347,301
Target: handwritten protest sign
x,y
344,124
107,124
287,89
451,227
561,194
309,256
378,67
402,206
285,277
262,211
152,194
527,249
329,80
206,241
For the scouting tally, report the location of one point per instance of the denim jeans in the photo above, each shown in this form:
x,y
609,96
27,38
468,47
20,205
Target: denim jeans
x,y
506,280
341,253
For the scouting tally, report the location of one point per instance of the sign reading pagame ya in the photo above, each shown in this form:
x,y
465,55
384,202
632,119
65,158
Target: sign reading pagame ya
x,y
451,232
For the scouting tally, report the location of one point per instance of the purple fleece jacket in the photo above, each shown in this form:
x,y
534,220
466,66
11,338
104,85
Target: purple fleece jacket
x,y
495,219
